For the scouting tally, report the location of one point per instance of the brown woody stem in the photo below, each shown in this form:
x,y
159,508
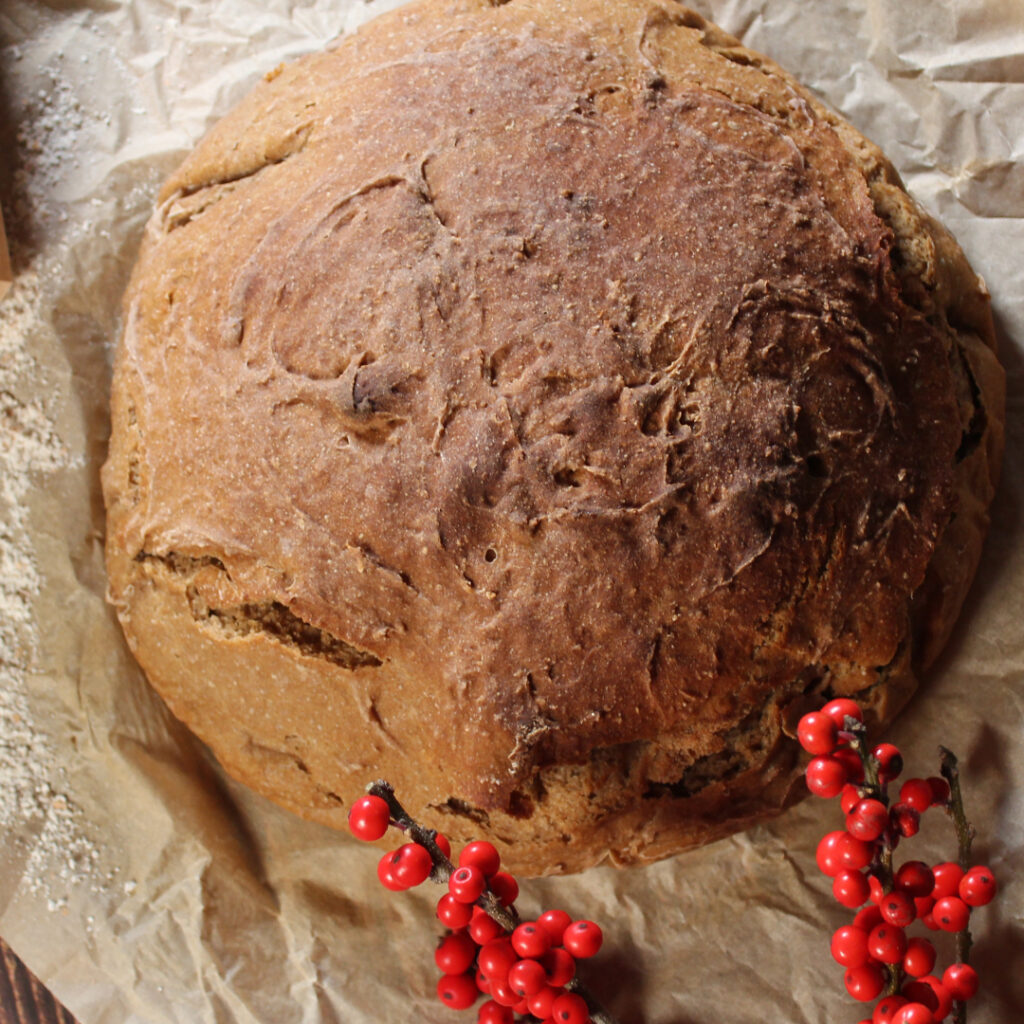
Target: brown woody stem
x,y
950,769
858,735
882,867
598,1014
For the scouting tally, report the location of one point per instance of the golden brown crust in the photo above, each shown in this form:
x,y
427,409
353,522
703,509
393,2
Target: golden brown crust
x,y
537,405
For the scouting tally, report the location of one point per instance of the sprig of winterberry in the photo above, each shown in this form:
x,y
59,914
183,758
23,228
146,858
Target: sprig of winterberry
x,y
529,968
525,967
881,960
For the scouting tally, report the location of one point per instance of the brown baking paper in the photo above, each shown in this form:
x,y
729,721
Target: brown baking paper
x,y
139,882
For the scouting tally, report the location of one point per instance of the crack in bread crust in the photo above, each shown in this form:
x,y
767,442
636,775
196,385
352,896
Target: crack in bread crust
x,y
269,618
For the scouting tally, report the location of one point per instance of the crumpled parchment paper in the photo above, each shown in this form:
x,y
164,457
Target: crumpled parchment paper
x,y
141,884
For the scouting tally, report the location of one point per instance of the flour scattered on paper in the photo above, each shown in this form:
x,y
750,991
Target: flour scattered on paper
x,y
30,784
49,126
54,205
26,445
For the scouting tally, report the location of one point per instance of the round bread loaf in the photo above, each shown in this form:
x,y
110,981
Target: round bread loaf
x,y
540,406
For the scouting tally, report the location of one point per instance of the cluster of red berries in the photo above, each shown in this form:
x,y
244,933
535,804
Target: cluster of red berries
x,y
524,969
879,957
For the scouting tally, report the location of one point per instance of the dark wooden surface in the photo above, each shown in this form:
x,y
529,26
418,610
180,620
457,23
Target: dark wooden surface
x,y
23,1000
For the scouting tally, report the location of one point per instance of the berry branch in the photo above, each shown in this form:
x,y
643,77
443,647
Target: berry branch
x,y
526,968
442,868
880,959
950,768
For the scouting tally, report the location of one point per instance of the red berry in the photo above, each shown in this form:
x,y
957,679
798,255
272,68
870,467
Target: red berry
x,y
940,789
413,865
919,958
458,991
905,819
850,946
817,733
482,927
915,878
849,797
554,922
876,891
455,953
570,1008
540,1003
839,850
977,887
825,776
496,958
887,943
482,983
951,914
583,939
916,793
942,994
947,879
480,854
868,820
442,844
890,761
502,994
494,1013
864,983
885,1009
923,905
855,853
898,908
531,940
827,855
850,759
505,887
842,708
467,884
918,991
526,977
560,966
913,1013
452,913
930,991
386,871
851,889
866,918
960,981
368,818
